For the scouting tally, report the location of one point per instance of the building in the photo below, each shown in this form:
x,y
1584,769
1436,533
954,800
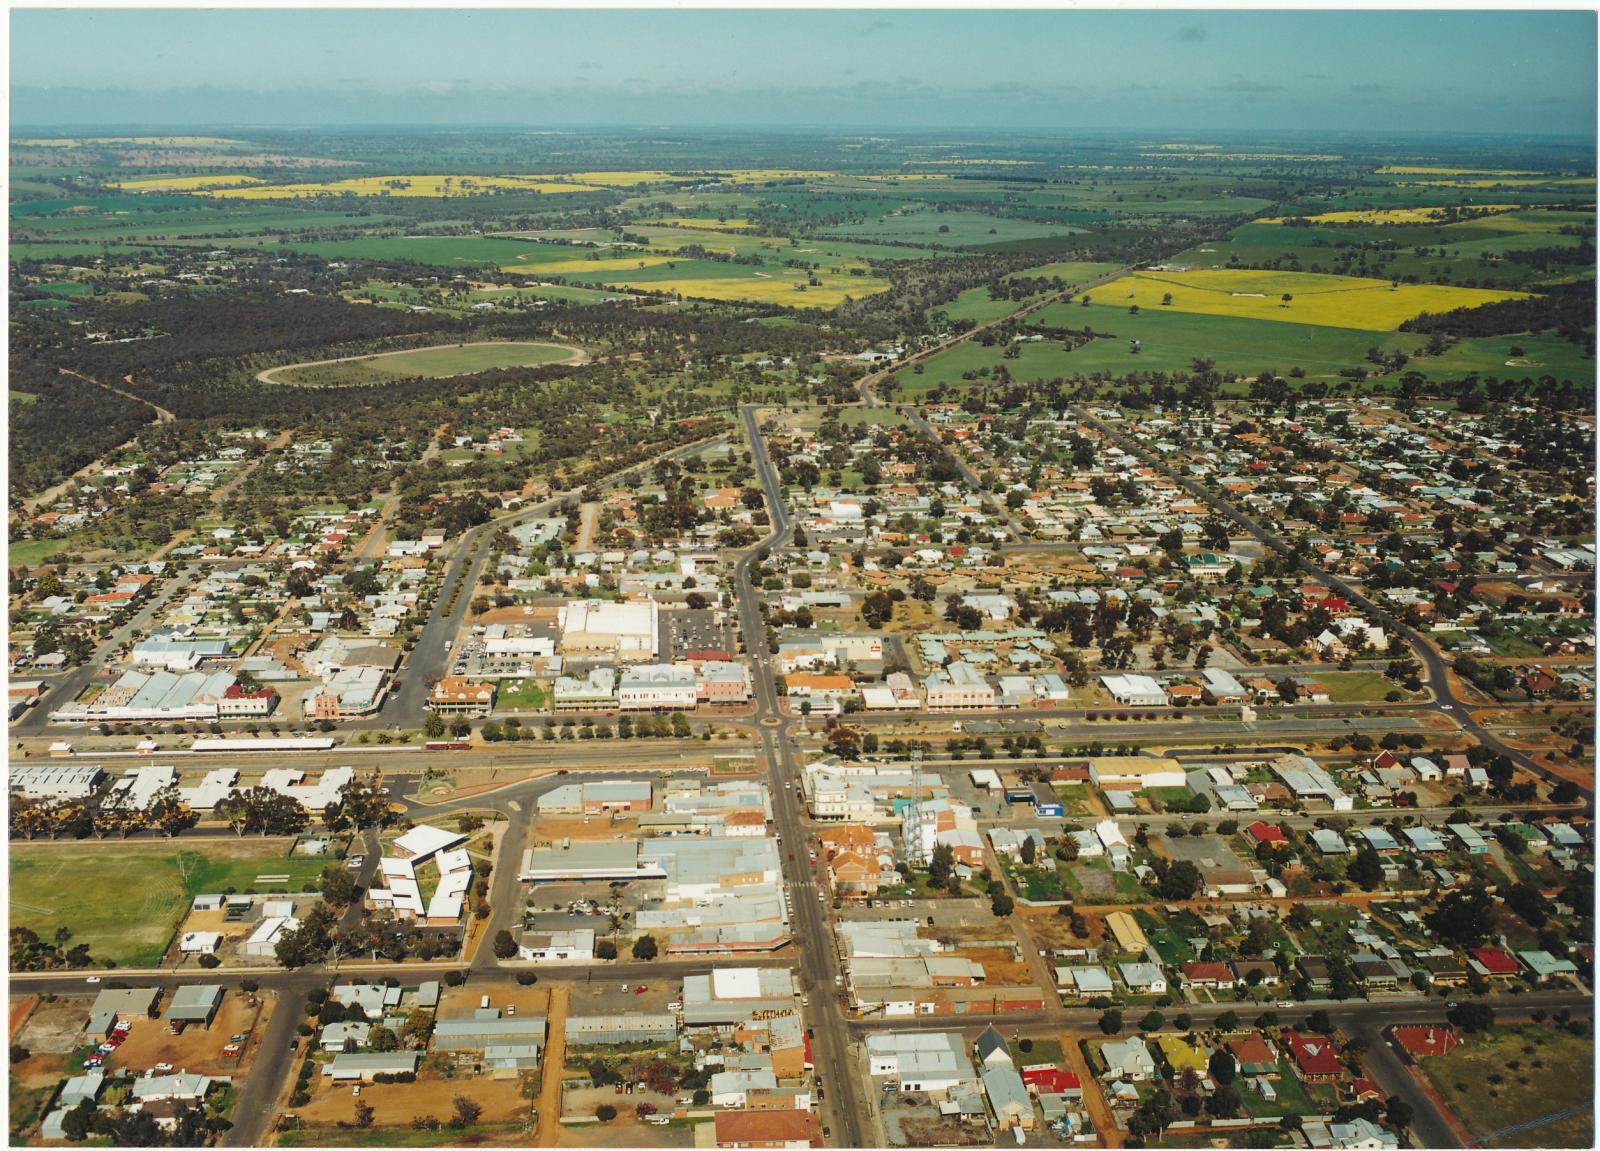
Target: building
x,y
1136,772
1127,1059
557,946
51,781
596,691
458,695
1008,1096
920,1060
774,1129
628,632
195,1003
1134,690
629,1027
366,1067
956,687
487,1028
658,687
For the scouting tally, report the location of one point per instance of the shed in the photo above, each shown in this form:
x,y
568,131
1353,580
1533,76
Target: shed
x,y
196,1003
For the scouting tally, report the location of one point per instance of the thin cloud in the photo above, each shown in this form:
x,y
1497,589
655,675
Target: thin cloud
x,y
1244,87
1192,34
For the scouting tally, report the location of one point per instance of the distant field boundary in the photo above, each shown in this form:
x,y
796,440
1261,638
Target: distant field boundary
x,y
576,356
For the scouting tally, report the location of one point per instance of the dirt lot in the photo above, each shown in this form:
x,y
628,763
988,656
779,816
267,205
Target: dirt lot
x,y
625,1131
998,965
54,1027
397,1104
461,1002
583,1101
1052,930
540,613
198,1049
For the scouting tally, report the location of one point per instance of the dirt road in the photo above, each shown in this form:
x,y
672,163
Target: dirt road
x,y
554,1060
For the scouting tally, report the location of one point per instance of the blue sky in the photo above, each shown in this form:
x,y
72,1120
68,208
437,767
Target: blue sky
x,y
1519,72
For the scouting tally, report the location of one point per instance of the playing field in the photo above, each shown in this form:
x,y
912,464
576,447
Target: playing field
x,y
1292,297
124,898
429,363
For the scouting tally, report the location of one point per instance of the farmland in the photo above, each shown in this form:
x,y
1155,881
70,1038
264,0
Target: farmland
x,y
56,885
1292,297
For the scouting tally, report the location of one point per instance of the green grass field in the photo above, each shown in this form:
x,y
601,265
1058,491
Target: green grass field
x,y
27,553
977,305
124,898
1171,341
1516,1075
919,225
430,363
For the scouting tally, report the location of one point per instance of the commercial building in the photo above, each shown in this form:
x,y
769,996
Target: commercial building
x,y
658,687
628,1027
457,695
1136,772
624,631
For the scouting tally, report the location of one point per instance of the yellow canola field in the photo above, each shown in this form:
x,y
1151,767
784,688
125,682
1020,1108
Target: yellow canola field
x,y
1392,215
775,290
1331,301
186,183
1426,170
707,223
575,267
1511,182
630,179
420,186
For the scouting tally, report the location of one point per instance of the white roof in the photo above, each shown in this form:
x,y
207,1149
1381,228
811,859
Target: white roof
x,y
423,840
736,983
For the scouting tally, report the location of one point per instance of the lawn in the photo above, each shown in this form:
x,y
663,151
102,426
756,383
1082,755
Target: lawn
x,y
1515,1076
519,695
1039,884
27,553
1328,301
1358,686
130,920
1292,1098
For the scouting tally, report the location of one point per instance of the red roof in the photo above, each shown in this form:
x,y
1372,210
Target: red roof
x,y
236,692
1265,833
706,655
1051,1080
1313,1054
1494,961
1197,971
767,1128
1426,1040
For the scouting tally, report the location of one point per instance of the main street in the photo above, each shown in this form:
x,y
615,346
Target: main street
x,y
808,923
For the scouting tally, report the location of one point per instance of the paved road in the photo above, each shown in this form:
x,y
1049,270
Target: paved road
x,y
428,659
64,688
841,1105
1434,665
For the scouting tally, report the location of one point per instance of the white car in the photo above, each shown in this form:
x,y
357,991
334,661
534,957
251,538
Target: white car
x,y
92,979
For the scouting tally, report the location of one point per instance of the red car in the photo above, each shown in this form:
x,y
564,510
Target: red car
x,y
640,990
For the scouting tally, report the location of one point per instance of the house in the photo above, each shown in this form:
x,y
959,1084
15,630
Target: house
x,y
1084,982
1256,972
1329,842
1197,973
1048,1079
1127,1059
991,1048
1446,970
190,1089
1545,966
344,1036
1492,963
1258,833
1315,1057
1181,1056
1427,1039
1143,978
1316,971
1254,1055
1008,1096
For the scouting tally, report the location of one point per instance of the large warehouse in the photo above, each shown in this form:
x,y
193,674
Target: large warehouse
x,y
626,631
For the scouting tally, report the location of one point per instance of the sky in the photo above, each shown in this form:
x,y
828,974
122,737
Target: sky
x,y
1473,71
